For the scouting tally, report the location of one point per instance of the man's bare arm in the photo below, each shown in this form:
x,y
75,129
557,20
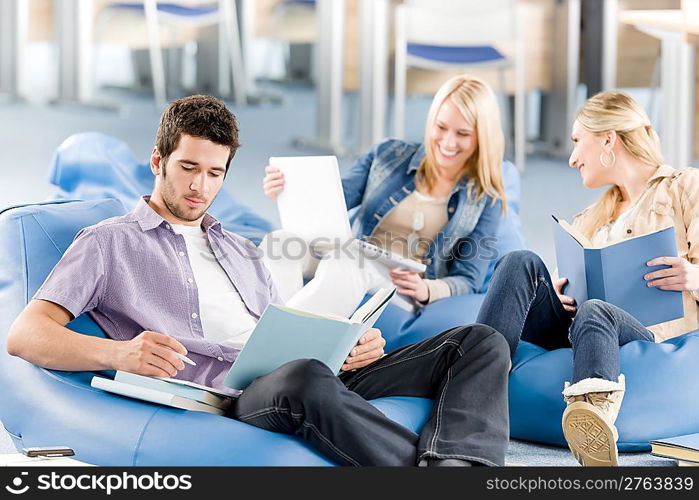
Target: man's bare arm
x,y
39,336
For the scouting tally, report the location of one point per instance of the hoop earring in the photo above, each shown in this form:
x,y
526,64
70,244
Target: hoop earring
x,y
602,162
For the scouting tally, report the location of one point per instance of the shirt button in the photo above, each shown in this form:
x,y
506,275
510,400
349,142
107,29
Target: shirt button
x,y
167,226
194,315
452,210
220,358
181,254
190,280
628,231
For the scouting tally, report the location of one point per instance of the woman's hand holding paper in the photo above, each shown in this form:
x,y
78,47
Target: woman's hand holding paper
x,y
273,182
410,284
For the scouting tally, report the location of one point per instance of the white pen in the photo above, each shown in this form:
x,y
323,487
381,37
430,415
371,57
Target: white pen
x,y
184,358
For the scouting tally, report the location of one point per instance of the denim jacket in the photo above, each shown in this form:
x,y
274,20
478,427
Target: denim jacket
x,y
461,252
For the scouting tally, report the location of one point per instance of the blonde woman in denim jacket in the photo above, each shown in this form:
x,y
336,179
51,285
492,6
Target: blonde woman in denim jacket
x,y
439,202
614,144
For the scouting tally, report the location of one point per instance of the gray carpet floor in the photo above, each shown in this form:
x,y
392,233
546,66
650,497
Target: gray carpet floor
x,y
30,133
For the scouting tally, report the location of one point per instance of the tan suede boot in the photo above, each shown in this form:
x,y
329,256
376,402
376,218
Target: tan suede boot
x,y
588,420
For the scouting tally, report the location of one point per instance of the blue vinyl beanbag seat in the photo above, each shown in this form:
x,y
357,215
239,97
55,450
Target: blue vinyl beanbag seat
x,y
42,407
661,399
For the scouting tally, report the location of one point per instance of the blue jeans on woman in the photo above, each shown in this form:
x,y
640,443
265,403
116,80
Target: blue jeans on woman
x,y
521,303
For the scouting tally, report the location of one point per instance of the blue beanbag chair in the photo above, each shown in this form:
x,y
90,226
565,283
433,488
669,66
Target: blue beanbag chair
x,y
661,399
39,407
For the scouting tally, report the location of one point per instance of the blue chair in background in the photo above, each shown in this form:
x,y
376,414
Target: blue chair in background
x,y
220,13
42,407
443,35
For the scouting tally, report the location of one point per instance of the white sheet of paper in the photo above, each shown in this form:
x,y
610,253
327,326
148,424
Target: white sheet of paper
x,y
312,204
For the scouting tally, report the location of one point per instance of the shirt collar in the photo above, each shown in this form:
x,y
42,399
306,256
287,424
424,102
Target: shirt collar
x,y
662,171
148,218
416,159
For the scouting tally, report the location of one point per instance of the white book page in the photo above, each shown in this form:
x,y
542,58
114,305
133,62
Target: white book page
x,y
310,314
195,385
579,237
382,296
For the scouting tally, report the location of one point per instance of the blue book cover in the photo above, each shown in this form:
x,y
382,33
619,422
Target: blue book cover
x,y
153,395
614,273
176,387
684,447
284,334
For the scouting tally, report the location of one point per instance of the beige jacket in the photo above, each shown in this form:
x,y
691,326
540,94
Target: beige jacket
x,y
671,198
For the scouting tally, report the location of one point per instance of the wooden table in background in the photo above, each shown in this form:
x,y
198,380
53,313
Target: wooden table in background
x,y
677,77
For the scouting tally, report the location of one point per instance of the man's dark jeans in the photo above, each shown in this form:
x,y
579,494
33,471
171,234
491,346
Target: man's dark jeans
x,y
464,370
522,303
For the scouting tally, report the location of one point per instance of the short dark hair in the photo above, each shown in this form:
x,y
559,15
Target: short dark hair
x,y
201,116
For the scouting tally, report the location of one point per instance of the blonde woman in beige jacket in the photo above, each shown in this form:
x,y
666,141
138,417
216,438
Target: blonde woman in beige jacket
x,y
614,145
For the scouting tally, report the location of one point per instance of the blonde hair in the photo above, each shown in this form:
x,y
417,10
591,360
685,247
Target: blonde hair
x,y
618,112
477,103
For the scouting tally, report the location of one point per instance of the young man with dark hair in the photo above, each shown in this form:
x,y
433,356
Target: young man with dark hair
x,y
166,278
197,116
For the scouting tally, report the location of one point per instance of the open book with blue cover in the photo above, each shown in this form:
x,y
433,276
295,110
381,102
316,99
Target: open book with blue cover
x,y
284,334
614,273
281,335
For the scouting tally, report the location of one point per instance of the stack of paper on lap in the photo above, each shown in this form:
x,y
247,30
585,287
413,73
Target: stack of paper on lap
x,y
312,206
170,392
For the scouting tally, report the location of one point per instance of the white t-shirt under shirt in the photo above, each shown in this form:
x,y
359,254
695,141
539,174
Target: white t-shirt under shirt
x,y
224,317
612,232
